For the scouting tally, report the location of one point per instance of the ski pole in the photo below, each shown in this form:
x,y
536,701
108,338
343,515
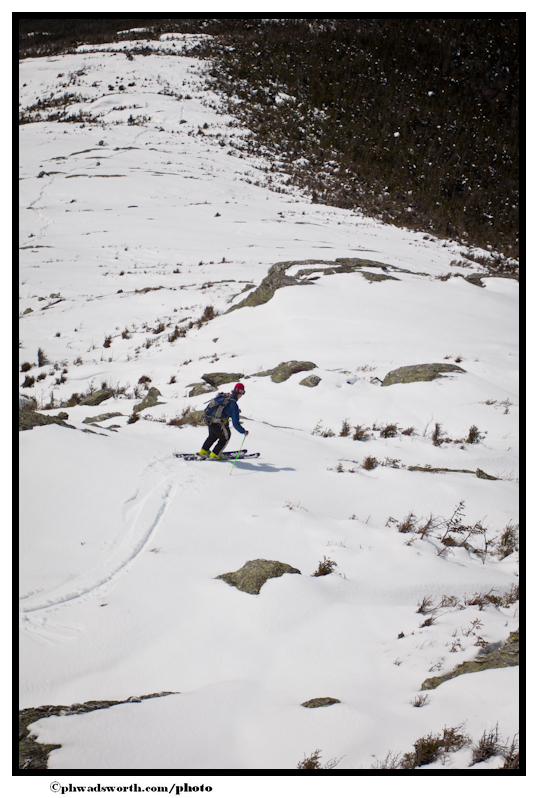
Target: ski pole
x,y
237,455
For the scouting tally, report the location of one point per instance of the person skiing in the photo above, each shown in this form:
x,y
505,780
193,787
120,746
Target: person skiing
x,y
219,422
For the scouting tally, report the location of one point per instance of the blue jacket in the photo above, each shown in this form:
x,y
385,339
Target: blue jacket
x,y
232,411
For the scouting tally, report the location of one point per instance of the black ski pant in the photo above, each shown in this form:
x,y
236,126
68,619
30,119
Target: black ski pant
x,y
220,433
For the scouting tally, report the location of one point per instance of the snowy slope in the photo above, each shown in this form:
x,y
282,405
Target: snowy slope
x,y
121,542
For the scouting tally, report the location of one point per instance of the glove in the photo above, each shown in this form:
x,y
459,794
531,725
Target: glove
x,y
246,432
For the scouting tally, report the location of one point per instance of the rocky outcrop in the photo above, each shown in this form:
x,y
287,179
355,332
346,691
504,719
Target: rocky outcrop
x,y
283,371
150,400
101,417
505,656
277,277
255,573
34,755
421,373
28,419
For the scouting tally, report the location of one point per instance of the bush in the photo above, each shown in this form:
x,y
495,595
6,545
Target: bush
x,y
509,541
361,433
489,745
346,429
325,567
474,436
369,463
41,357
431,747
26,367
389,431
312,762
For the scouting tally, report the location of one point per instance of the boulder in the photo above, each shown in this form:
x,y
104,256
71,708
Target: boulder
x,y
283,371
200,388
254,573
320,702
221,378
96,397
311,381
150,400
421,373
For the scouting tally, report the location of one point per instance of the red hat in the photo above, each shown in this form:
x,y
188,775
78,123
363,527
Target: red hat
x,y
239,387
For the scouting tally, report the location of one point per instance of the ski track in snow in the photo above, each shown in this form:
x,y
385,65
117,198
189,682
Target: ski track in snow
x,y
143,513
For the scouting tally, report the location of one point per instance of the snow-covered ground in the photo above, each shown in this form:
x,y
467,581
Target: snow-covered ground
x,y
121,542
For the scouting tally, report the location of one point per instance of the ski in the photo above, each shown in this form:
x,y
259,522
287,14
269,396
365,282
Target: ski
x,y
241,455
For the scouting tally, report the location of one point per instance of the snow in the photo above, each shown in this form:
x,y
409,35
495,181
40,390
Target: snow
x,y
120,542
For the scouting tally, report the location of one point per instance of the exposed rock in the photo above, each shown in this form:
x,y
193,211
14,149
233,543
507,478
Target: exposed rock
x,y
150,400
478,473
200,388
311,381
102,417
482,474
28,419
277,277
221,378
283,371
475,279
507,656
372,277
96,398
254,573
34,755
320,702
421,373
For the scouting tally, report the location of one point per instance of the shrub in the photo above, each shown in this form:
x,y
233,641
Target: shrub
x,y
133,418
474,436
325,567
511,755
312,762
369,463
188,416
144,380
26,367
508,541
421,700
389,431
346,429
361,433
41,357
207,315
323,433
437,434
489,745
429,748
107,341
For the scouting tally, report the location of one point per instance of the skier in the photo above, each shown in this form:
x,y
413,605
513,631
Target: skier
x,y
219,423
